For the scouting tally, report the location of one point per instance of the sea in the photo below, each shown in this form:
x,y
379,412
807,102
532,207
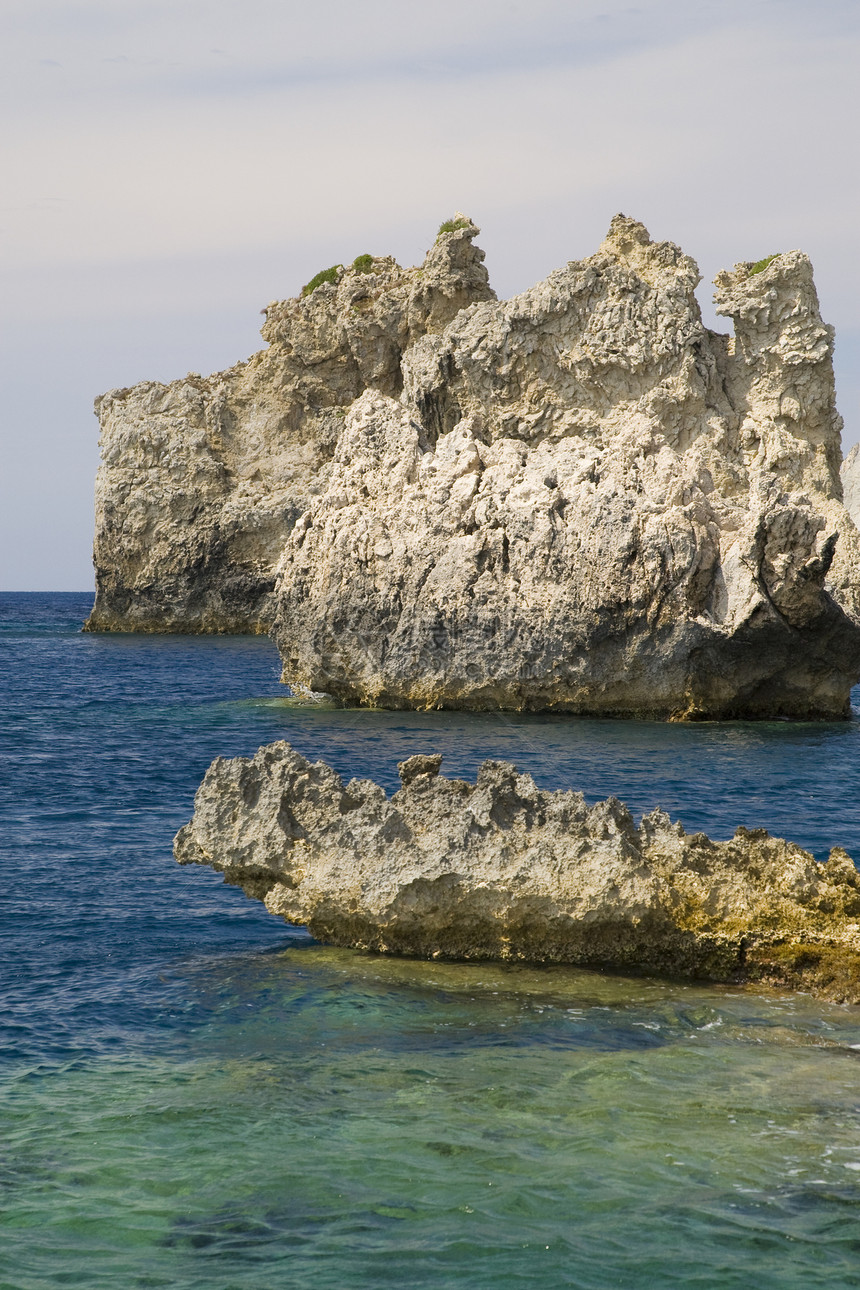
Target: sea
x,y
195,1095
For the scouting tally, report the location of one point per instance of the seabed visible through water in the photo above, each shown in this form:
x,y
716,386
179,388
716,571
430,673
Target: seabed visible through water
x,y
195,1095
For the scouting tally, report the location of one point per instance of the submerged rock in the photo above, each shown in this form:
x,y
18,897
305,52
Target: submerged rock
x,y
504,870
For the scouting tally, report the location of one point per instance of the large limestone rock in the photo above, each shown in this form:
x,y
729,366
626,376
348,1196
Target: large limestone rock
x,y
502,869
202,480
585,500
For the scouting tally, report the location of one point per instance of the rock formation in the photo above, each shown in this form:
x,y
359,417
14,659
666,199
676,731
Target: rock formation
x,y
501,869
579,499
202,480
587,501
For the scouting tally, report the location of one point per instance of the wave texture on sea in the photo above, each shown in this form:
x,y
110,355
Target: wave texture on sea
x,y
195,1095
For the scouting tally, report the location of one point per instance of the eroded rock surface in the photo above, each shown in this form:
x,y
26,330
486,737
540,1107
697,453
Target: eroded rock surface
x,y
585,500
202,480
579,499
502,869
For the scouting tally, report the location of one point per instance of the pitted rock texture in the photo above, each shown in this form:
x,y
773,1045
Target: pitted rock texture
x,y
202,480
502,869
586,501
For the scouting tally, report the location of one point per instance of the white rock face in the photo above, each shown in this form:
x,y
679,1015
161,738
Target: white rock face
x,y
579,499
851,483
202,480
502,869
586,501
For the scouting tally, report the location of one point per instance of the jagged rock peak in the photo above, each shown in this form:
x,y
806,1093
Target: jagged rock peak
x,y
629,242
422,299
502,869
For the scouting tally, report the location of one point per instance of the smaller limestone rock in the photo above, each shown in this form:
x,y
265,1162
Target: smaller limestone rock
x,y
501,869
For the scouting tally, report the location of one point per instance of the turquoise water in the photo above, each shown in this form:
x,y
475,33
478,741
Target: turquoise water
x,y
195,1095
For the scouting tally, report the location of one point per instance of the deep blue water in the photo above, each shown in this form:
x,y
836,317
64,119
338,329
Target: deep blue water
x,y
195,1095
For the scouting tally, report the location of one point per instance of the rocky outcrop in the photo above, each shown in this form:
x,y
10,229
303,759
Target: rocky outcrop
x,y
501,869
202,480
580,499
586,501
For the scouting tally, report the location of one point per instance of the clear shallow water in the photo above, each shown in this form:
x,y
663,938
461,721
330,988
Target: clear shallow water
x,y
194,1095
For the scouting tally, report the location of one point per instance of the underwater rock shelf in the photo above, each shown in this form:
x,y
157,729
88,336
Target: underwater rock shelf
x,y
504,870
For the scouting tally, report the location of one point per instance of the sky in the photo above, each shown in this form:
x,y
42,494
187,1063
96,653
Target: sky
x,y
171,166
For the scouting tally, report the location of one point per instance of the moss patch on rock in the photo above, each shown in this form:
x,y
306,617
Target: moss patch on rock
x,y
324,275
453,225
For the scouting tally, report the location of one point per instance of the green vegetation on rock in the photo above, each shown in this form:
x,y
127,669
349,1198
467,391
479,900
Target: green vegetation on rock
x,y
324,275
761,265
451,225
363,264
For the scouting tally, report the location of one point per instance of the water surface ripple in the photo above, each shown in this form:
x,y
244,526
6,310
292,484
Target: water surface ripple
x,y
196,1096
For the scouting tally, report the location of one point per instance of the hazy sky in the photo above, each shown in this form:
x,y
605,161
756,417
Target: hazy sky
x,y
170,166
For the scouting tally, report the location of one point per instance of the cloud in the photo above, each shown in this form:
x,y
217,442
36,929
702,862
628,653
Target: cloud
x,y
179,137
731,120
278,42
